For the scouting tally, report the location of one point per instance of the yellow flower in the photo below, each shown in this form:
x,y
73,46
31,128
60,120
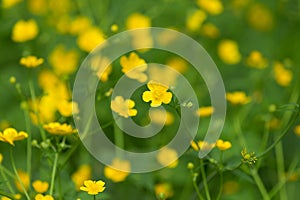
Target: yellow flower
x,y
237,98
83,173
9,3
42,197
134,67
64,62
296,130
205,111
201,145
256,60
137,20
40,186
228,51
114,28
79,25
123,107
103,76
248,158
195,20
1,158
16,196
10,135
213,7
178,64
93,187
164,190
24,30
260,17
158,117
38,7
223,145
31,61
24,179
66,108
114,174
90,38
56,128
282,75
157,95
210,30
167,157
165,75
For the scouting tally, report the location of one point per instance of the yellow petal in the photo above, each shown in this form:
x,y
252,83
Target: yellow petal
x,y
167,98
147,96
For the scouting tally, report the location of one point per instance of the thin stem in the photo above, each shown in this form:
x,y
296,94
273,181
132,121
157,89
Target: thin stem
x,y
280,169
17,175
94,197
7,195
204,180
6,180
53,172
29,146
239,132
119,140
221,186
259,184
196,187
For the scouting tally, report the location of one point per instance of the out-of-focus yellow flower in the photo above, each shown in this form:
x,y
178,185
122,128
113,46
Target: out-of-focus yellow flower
x,y
134,67
79,25
164,190
164,75
43,110
123,107
10,135
282,75
238,97
230,187
201,145
297,130
178,64
213,7
90,38
229,53
16,196
57,128
24,30
260,17
83,173
1,158
31,61
137,20
93,187
103,76
66,108
24,179
273,124
42,197
205,111
38,7
114,174
167,157
223,145
292,177
210,30
40,186
195,20
158,117
114,28
9,3
157,95
64,62
256,60
59,8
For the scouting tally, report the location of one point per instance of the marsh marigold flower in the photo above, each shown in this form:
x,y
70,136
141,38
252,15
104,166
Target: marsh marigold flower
x,y
213,7
10,135
112,172
238,98
195,20
228,52
137,20
67,108
16,196
282,75
90,38
123,107
93,187
79,25
201,145
164,190
223,145
40,186
134,67
24,30
167,157
157,95
83,173
31,61
256,60
161,117
57,128
42,197
210,30
24,179
205,111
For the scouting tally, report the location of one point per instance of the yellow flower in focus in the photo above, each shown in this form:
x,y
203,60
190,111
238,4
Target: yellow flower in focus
x,y
93,187
282,75
24,30
297,130
83,173
228,51
178,64
164,190
10,135
157,95
66,108
213,7
90,38
64,62
118,171
9,3
42,197
223,145
57,128
238,98
195,20
161,117
40,186
123,107
134,67
167,157
205,111
31,61
79,25
210,30
256,60
24,179
260,17
201,145
38,7
137,20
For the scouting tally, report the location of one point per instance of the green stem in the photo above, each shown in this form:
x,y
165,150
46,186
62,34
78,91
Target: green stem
x,y
259,184
29,146
204,180
94,197
7,195
6,180
53,173
280,169
239,132
196,187
17,175
119,140
221,186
